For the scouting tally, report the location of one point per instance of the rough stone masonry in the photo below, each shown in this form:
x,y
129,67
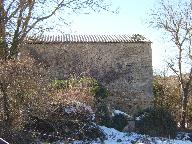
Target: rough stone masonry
x,y
122,63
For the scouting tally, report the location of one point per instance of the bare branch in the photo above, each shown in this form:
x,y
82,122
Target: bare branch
x,y
176,20
21,17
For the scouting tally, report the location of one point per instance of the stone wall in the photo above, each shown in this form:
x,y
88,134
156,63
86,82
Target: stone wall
x,y
125,68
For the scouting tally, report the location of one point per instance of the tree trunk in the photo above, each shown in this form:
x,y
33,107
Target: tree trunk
x,y
14,49
3,47
184,108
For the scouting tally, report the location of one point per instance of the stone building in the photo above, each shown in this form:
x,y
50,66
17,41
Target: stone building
x,y
122,63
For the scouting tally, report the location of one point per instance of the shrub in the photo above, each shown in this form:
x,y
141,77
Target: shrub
x,y
72,116
86,90
166,91
70,95
67,122
103,116
119,121
74,81
99,91
91,85
22,89
155,122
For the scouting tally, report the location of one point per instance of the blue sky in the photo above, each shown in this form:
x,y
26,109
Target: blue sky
x,y
131,19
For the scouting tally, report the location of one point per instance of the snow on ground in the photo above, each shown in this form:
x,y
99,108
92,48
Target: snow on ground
x,y
116,137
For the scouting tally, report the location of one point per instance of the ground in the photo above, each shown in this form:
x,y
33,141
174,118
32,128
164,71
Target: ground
x,y
116,137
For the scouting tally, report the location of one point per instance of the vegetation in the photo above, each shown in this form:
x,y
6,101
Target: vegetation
x,y
95,94
25,94
22,92
75,100
103,115
167,95
119,121
67,122
34,108
156,122
174,18
48,112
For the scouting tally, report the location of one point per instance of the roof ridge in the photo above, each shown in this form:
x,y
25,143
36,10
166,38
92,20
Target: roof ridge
x,y
86,38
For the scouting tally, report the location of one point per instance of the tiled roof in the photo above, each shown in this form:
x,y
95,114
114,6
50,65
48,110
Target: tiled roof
x,y
87,38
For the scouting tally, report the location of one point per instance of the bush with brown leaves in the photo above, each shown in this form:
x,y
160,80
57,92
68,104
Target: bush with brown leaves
x,y
22,92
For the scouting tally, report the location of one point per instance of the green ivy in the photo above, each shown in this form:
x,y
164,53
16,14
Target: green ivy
x,y
91,84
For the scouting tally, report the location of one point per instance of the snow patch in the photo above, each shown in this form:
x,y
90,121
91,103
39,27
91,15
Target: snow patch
x,y
116,137
116,112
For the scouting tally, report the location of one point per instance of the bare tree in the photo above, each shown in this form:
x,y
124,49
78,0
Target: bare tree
x,y
18,18
175,19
